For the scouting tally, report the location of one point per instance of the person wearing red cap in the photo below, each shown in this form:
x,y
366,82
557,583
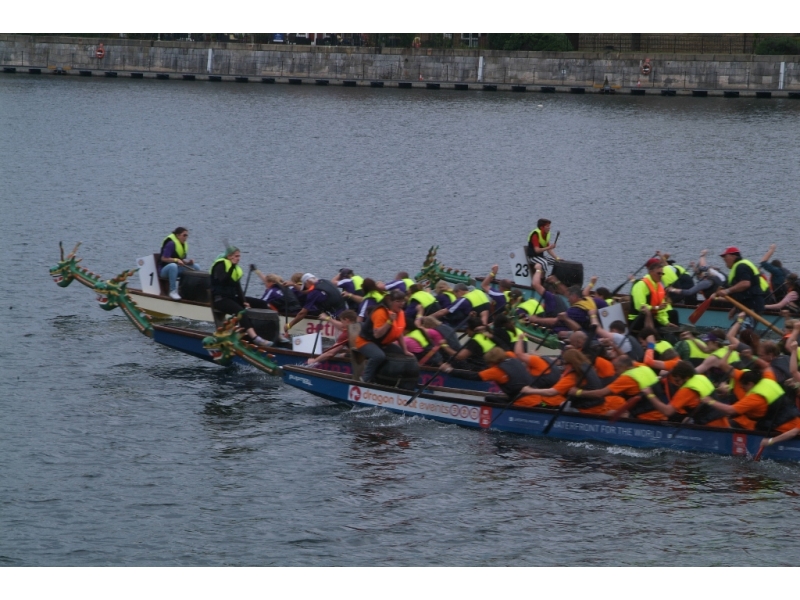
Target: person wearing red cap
x,y
648,294
744,281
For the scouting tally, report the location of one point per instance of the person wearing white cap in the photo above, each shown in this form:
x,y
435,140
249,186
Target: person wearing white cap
x,y
320,295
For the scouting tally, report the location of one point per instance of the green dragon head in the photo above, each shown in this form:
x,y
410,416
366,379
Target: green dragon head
x,y
67,270
433,271
229,340
114,293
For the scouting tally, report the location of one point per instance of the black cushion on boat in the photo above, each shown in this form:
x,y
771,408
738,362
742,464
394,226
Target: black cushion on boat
x,y
568,272
266,322
398,370
195,285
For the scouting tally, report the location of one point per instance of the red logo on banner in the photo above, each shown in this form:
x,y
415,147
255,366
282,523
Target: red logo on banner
x,y
355,393
486,416
739,444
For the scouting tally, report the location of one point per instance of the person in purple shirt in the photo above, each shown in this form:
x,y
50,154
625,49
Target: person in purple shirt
x,y
174,260
320,296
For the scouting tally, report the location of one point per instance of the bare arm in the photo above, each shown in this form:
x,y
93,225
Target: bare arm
x,y
587,291
536,282
487,281
769,253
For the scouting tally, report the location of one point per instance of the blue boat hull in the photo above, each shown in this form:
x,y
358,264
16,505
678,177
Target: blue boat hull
x,y
469,411
191,342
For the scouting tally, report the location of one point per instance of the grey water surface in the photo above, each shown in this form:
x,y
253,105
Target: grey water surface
x,y
116,451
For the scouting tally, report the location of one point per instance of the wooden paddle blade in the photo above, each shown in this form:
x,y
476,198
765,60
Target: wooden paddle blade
x,y
698,312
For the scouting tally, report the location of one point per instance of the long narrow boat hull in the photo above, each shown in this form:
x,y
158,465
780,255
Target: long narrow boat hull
x,y
463,408
191,342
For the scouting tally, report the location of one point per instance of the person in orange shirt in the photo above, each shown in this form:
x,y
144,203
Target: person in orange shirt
x,y
580,341
765,406
686,401
382,333
580,375
633,379
511,376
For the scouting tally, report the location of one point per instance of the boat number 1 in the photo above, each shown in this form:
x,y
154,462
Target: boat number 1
x,y
521,270
151,278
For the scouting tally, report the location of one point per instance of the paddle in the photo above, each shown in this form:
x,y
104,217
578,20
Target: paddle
x,y
622,285
698,312
447,362
753,314
320,326
247,281
562,406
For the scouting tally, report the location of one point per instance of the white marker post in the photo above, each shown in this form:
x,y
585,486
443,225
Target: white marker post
x,y
148,275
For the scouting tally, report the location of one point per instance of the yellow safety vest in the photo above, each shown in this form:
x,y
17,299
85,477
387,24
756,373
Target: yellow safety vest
x,y
450,295
180,248
423,297
671,274
237,271
418,335
358,283
694,350
376,295
532,307
643,376
484,342
543,241
662,346
700,384
477,297
734,357
769,390
762,282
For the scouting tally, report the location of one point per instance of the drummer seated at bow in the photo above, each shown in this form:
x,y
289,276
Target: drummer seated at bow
x,y
539,245
174,261
636,384
320,296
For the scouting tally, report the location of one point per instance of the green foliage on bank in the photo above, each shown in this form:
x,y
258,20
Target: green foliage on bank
x,y
778,45
537,42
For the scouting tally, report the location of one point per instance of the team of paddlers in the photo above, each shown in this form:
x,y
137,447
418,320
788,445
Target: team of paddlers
x,y
648,368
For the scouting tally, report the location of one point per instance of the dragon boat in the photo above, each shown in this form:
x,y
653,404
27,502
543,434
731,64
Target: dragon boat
x,y
470,409
716,316
227,344
143,308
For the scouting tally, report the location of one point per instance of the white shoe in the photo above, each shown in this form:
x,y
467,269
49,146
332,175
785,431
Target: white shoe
x,y
174,295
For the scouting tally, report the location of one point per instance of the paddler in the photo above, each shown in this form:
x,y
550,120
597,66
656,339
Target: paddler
x,y
401,282
648,295
764,407
499,298
633,379
509,374
418,296
382,333
226,291
744,283
174,261
539,244
467,302
350,284
693,388
320,296
370,298
472,352
277,295
444,295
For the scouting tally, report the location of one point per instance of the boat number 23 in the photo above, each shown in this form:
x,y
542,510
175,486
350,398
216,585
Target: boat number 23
x,y
521,270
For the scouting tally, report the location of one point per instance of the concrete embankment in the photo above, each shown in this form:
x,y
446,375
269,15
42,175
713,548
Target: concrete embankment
x,y
577,72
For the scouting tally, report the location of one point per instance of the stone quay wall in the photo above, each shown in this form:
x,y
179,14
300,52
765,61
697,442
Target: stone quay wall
x,y
711,72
